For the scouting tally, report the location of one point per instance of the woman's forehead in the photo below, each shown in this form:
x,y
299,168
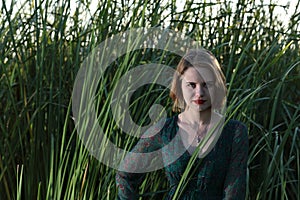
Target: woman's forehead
x,y
198,74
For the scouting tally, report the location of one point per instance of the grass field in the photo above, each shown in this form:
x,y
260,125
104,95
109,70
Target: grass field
x,y
43,44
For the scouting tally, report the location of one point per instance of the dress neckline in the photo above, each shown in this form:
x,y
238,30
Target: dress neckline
x,y
187,153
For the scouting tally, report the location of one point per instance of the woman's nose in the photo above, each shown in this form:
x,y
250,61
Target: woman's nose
x,y
200,91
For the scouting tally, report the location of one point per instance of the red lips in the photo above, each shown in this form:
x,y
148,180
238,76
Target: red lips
x,y
199,101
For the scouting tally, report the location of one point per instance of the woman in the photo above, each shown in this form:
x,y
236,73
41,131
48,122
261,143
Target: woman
x,y
219,172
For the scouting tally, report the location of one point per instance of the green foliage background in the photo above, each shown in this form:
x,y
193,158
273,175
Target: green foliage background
x,y
42,45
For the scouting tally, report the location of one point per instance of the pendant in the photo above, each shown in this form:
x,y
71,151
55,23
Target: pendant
x,y
198,138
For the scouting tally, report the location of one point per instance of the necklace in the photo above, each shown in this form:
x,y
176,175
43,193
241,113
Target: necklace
x,y
201,135
200,130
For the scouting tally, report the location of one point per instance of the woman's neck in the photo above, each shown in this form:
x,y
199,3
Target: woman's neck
x,y
194,117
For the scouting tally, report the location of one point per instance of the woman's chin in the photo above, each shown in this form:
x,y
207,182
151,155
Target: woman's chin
x,y
200,107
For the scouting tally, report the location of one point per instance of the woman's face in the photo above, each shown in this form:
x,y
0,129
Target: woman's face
x,y
197,88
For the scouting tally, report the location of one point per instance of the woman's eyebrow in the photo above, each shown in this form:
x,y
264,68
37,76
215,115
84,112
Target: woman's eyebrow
x,y
201,82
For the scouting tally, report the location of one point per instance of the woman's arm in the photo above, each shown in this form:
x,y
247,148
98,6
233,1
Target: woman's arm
x,y
127,184
235,182
130,173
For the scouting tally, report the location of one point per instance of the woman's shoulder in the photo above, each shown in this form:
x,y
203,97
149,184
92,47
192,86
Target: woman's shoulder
x,y
171,121
161,127
233,123
236,128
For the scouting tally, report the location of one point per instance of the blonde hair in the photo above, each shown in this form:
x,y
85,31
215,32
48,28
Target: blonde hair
x,y
204,59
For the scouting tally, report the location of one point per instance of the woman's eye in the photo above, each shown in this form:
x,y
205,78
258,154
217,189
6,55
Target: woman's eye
x,y
207,85
193,85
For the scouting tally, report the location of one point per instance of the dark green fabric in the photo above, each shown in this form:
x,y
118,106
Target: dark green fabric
x,y
219,175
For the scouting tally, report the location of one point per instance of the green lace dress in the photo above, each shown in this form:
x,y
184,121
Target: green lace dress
x,y
221,174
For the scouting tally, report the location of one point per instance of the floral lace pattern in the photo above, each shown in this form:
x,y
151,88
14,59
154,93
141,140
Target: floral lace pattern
x,y
219,175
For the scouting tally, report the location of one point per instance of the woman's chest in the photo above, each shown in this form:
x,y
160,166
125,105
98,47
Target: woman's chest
x,y
212,167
